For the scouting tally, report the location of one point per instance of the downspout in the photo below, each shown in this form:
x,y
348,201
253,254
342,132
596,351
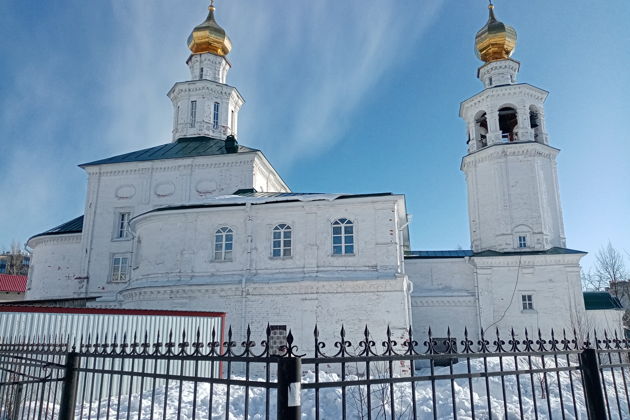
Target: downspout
x,y
477,294
89,257
401,262
248,232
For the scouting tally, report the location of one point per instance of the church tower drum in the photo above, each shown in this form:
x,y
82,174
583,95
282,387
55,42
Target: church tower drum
x,y
511,172
205,106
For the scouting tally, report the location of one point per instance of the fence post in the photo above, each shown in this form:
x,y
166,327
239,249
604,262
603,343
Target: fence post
x,y
593,390
69,387
289,388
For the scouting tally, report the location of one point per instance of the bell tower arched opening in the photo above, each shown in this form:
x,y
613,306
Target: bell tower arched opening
x,y
508,123
481,130
535,123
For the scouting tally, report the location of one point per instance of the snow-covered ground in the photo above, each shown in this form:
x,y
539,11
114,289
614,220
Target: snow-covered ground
x,y
151,404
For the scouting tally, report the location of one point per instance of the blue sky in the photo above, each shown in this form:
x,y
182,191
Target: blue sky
x,y
342,96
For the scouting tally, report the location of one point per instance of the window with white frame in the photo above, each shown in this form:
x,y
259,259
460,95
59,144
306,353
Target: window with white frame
x,y
193,113
215,116
343,237
223,244
281,241
120,268
122,225
522,241
528,302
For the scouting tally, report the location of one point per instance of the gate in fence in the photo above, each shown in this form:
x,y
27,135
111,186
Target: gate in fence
x,y
183,377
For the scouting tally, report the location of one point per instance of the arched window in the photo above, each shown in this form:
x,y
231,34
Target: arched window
x,y
343,237
281,241
223,244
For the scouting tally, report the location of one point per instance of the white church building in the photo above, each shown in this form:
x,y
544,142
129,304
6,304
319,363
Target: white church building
x,y
204,223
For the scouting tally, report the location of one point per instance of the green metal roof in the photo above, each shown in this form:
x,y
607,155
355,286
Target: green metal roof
x,y
286,197
72,226
456,253
461,253
601,300
550,251
182,148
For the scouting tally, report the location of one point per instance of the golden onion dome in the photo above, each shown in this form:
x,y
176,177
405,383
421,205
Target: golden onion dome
x,y
209,37
496,40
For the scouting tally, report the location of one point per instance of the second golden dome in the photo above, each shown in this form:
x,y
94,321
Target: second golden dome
x,y
496,40
209,37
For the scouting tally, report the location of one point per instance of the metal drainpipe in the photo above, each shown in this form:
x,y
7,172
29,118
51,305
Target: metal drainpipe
x,y
476,277
89,257
248,231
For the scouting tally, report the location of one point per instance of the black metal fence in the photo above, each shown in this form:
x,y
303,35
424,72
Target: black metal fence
x,y
444,377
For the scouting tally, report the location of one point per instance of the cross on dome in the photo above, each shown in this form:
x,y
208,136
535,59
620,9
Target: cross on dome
x,y
209,37
496,40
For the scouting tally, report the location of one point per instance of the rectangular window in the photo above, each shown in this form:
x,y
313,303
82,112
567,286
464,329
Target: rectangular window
x,y
528,302
201,73
122,225
193,113
215,116
177,118
522,241
3,266
120,268
232,123
277,339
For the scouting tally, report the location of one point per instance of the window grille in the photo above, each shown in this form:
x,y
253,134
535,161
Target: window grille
x,y
215,116
343,237
281,241
193,113
223,244
120,268
122,225
522,241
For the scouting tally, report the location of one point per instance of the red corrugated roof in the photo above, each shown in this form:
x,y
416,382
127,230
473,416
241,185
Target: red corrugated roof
x,y
11,283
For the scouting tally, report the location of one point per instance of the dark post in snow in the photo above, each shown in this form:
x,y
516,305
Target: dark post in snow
x,y
69,387
289,388
593,391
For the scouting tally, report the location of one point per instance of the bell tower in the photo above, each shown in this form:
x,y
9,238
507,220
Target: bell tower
x,y
510,168
206,106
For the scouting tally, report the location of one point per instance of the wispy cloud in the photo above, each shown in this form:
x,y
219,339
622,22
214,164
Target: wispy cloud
x,y
301,66
98,91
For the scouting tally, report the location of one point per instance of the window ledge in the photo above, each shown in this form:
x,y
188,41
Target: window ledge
x,y
121,239
343,255
529,311
281,258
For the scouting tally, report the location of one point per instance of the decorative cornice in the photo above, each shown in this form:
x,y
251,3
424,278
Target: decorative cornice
x,y
503,150
315,287
526,260
56,239
512,92
159,166
440,301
